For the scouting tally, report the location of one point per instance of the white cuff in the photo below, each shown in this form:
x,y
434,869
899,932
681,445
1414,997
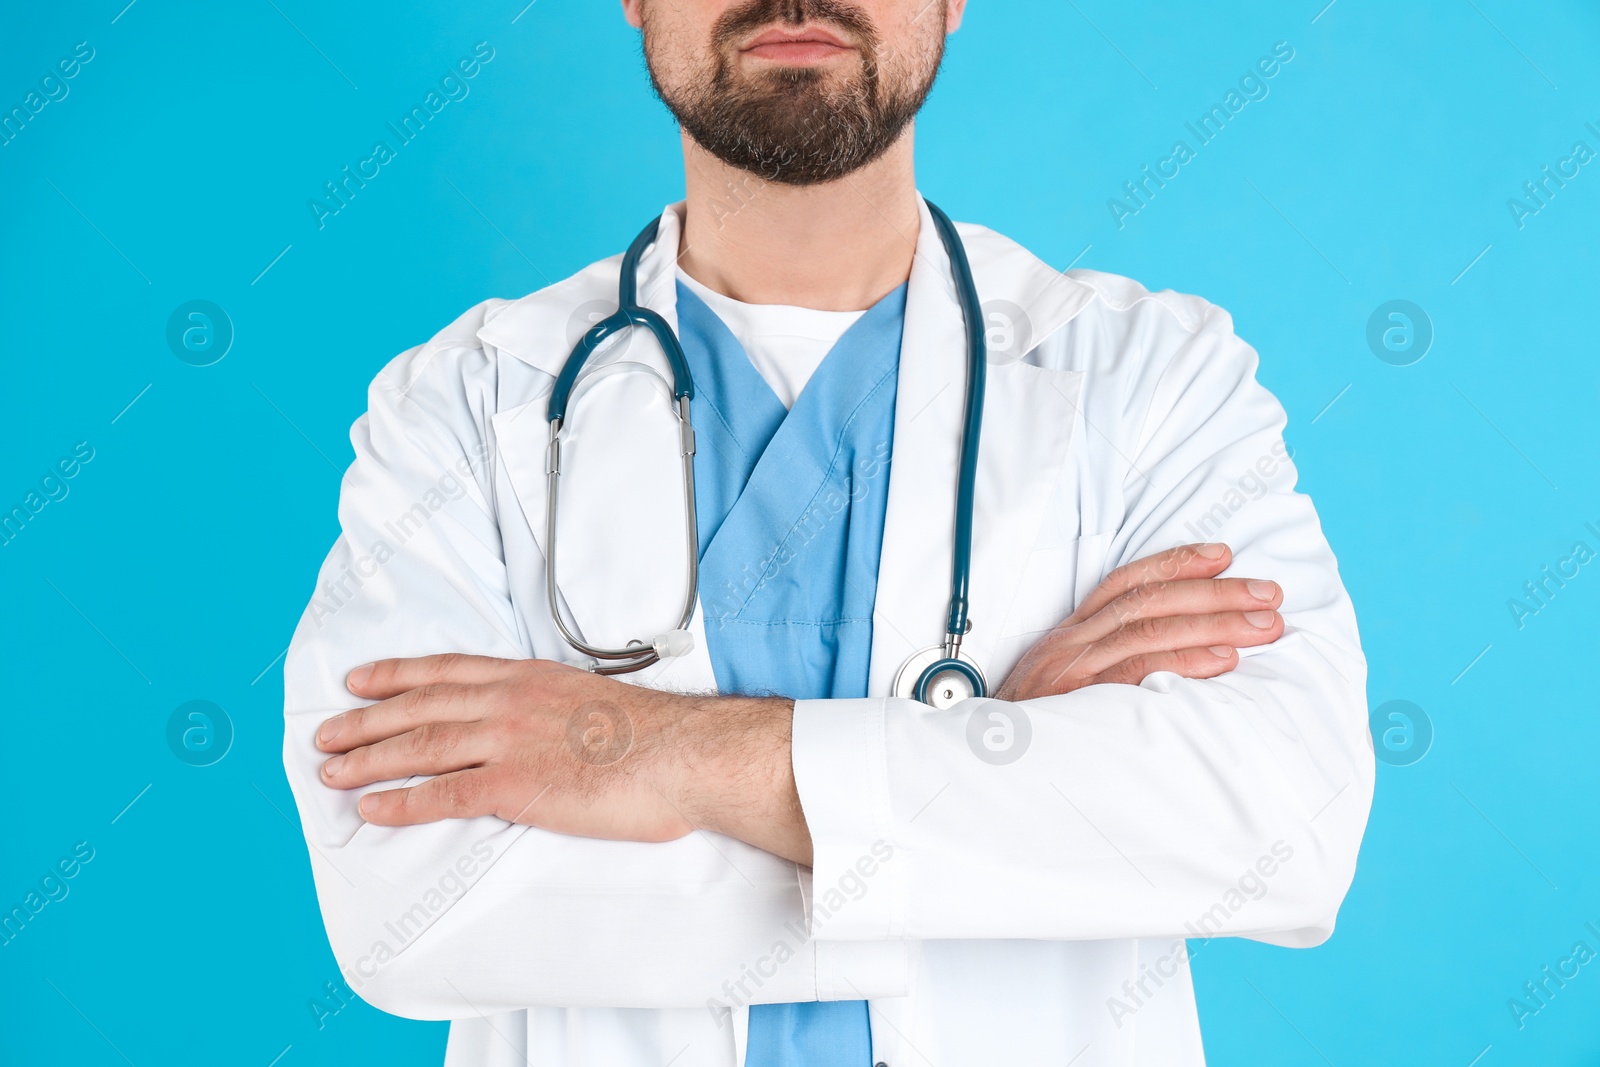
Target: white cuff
x,y
857,883
862,970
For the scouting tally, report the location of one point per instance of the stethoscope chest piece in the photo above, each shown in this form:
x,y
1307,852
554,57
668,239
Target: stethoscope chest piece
x,y
932,677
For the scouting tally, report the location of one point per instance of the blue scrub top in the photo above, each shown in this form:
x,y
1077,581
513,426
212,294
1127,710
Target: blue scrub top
x,y
790,506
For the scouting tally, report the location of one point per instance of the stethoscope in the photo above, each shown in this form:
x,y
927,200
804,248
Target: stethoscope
x,y
940,674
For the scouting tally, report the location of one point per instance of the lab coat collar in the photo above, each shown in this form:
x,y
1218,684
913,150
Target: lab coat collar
x,y
540,329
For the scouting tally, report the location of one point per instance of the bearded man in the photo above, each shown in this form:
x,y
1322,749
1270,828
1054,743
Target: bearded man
x,y
882,709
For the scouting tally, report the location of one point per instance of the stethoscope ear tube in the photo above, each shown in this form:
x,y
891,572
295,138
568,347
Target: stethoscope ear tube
x,y
638,654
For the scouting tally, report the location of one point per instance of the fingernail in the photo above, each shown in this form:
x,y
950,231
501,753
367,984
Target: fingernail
x,y
331,768
1211,551
1221,651
369,804
1261,620
358,677
330,729
1261,590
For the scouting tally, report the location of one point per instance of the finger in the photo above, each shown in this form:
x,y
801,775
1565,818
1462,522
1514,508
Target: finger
x,y
1062,672
411,709
1185,561
1192,596
391,677
1187,662
432,748
458,795
1145,636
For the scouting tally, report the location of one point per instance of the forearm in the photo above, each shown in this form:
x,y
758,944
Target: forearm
x,y
517,906
1129,811
737,774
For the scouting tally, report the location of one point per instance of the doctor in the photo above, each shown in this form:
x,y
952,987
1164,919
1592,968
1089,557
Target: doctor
x,y
750,851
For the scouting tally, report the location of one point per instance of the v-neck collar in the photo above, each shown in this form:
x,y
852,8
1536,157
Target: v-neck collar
x,y
725,380
766,459
733,397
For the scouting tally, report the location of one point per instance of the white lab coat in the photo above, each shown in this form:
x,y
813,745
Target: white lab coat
x,y
1030,912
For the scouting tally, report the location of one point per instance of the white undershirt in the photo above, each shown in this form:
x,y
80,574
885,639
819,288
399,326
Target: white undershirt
x,y
785,343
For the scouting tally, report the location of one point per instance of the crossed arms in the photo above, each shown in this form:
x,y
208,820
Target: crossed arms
x,y
538,864
544,744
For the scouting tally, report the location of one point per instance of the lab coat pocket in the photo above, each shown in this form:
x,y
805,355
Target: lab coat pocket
x,y
1055,580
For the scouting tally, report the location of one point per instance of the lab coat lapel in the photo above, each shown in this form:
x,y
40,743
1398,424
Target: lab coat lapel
x,y
624,572
622,542
914,568
1029,417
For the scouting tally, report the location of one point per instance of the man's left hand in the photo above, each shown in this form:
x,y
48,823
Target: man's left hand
x,y
544,744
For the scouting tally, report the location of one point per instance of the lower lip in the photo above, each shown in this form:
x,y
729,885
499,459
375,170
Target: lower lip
x,y
797,52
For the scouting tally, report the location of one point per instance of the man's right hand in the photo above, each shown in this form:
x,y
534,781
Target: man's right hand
x,y
1166,612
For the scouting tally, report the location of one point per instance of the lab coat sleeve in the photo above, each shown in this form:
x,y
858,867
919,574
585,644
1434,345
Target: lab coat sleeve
x,y
461,917
1175,808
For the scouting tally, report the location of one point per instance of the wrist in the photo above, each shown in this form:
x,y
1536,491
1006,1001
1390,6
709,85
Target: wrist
x,y
719,754
684,752
731,772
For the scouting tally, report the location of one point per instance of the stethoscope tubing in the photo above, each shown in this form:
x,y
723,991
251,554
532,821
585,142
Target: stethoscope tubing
x,y
629,313
971,429
638,655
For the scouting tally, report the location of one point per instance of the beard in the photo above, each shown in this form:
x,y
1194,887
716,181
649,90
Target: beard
x,y
790,125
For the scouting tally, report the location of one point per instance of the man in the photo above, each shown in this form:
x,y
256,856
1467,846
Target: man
x,y
751,852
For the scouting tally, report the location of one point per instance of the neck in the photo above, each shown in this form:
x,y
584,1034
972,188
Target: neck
x,y
839,246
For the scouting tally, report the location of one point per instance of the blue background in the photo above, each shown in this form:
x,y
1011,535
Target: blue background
x,y
179,167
